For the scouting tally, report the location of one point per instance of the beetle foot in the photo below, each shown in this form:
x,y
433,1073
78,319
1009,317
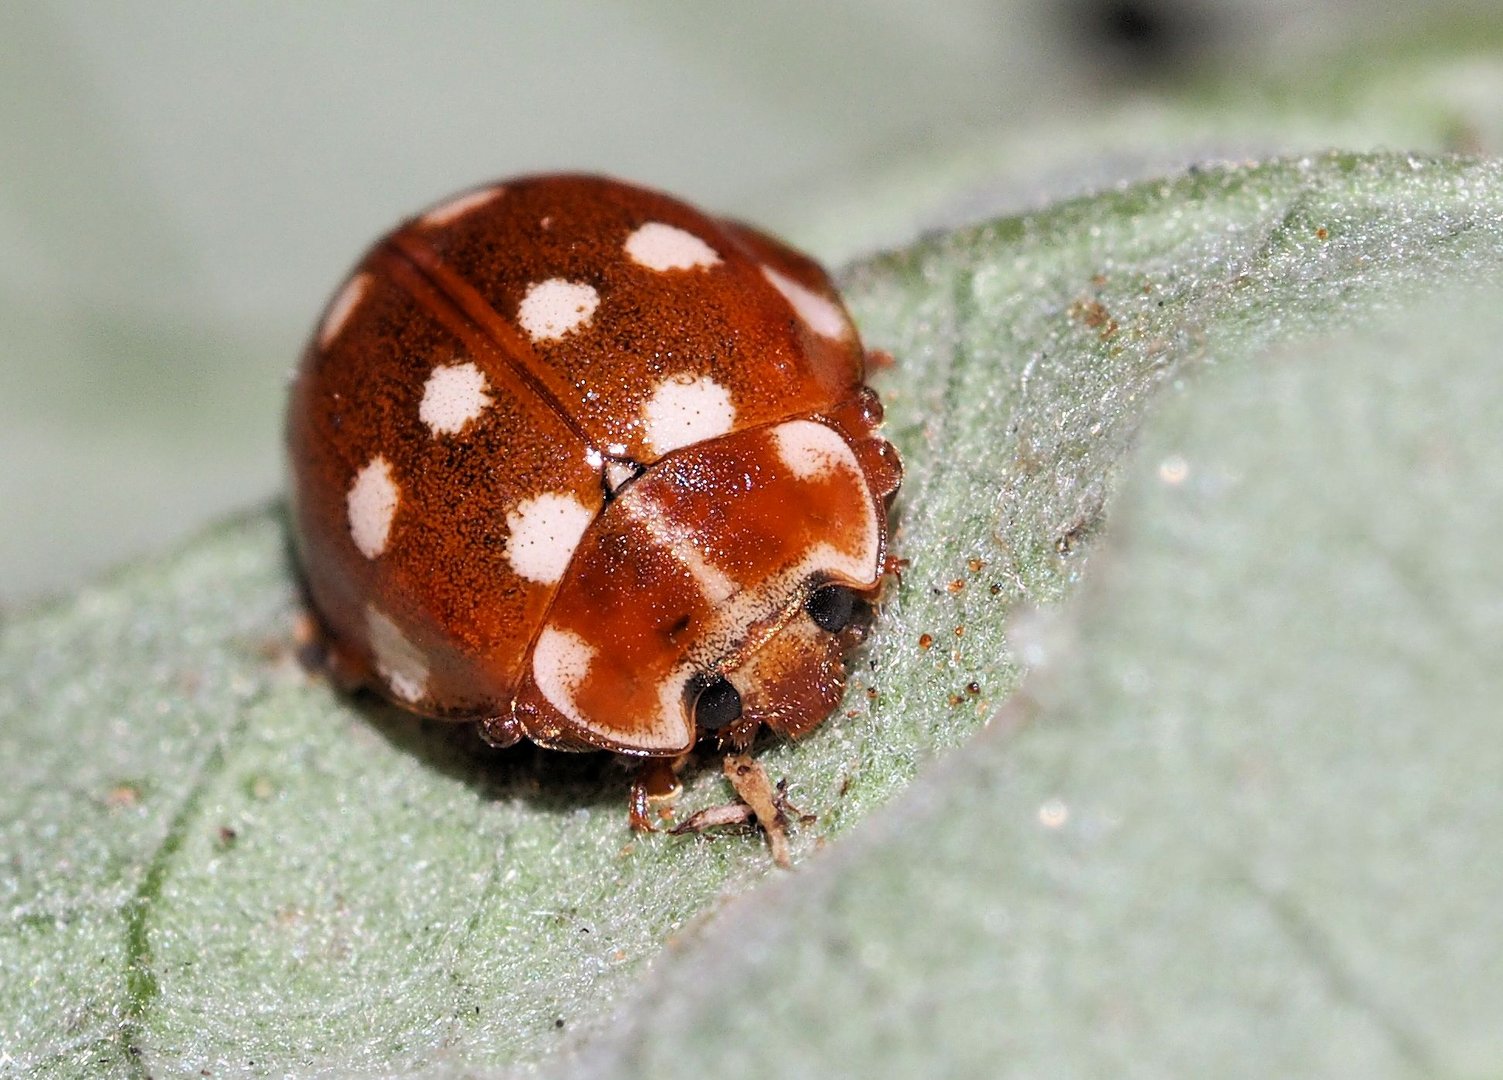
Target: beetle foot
x,y
501,731
654,785
319,654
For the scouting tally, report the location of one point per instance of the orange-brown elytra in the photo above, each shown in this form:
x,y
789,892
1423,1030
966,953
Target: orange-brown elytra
x,y
577,462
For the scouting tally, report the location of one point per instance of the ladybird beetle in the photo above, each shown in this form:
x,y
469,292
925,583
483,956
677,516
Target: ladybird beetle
x,y
577,462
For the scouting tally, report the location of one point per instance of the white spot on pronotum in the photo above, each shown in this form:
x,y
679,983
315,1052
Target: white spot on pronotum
x,y
819,313
686,409
560,662
342,307
663,247
545,530
371,504
554,307
398,660
453,396
459,206
856,561
674,728
810,450
813,451
716,585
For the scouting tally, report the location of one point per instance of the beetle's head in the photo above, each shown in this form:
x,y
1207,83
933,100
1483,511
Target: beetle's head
x,y
718,591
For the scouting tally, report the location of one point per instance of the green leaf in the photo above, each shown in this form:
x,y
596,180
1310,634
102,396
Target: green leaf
x,y
1242,819
214,862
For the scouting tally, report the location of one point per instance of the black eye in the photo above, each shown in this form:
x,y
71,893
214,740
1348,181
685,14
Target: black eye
x,y
717,705
832,607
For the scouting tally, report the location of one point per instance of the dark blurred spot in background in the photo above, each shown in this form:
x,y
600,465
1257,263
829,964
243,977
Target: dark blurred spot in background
x,y
1157,39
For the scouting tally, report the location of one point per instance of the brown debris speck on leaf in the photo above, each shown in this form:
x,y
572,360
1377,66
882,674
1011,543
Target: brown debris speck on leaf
x,y
1093,313
122,797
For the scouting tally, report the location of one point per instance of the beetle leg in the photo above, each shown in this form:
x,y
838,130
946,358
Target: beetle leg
x,y
319,653
502,731
655,784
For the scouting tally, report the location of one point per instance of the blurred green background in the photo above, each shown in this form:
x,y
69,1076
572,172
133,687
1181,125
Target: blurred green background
x,y
182,184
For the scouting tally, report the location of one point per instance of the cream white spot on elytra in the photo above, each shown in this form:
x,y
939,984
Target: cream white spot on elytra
x,y
554,307
447,212
453,396
819,313
663,247
560,663
686,409
810,450
371,505
342,307
545,530
398,661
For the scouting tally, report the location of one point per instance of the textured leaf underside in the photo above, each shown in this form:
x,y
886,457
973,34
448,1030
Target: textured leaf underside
x,y
1236,820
